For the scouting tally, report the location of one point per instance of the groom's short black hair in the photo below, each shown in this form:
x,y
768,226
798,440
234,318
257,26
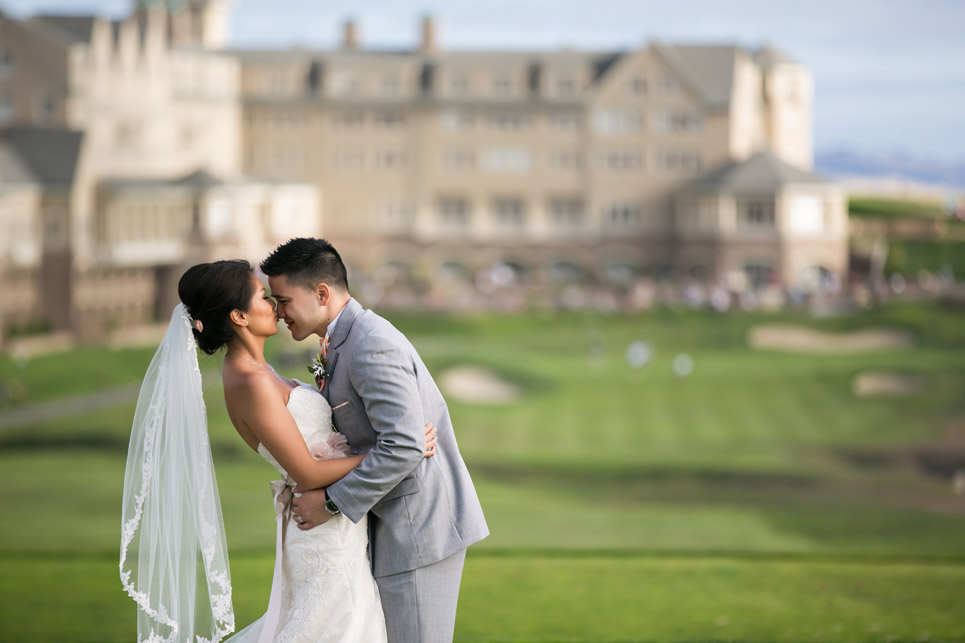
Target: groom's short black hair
x,y
307,262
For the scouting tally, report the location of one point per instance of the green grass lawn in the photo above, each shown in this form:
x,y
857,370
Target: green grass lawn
x,y
561,598
869,207
755,500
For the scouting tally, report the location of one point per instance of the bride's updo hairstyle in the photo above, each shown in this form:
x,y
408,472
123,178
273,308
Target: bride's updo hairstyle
x,y
210,291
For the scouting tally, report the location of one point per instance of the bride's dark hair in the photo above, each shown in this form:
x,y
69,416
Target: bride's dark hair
x,y
210,291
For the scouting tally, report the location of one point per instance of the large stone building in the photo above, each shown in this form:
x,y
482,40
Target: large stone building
x,y
669,162
120,166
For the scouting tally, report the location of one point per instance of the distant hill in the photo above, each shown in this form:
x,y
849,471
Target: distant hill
x,y
851,164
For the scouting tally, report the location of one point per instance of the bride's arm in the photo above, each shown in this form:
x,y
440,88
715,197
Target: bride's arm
x,y
257,405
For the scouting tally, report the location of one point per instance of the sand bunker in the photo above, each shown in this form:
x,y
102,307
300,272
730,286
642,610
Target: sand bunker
x,y
798,339
476,385
886,384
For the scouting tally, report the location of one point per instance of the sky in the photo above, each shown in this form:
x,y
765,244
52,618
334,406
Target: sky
x,y
889,74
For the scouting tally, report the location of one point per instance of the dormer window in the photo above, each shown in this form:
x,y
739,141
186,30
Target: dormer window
x,y
638,85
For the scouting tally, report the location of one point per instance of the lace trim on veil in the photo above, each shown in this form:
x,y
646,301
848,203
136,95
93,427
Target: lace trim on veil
x,y
176,483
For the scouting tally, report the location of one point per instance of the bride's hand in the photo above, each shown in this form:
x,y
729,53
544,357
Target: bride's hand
x,y
430,440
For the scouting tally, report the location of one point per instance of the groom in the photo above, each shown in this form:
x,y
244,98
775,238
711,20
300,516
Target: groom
x,y
423,512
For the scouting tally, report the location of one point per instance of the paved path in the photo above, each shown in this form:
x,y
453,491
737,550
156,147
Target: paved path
x,y
79,404
68,406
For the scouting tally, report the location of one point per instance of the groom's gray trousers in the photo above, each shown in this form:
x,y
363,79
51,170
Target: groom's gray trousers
x,y
420,605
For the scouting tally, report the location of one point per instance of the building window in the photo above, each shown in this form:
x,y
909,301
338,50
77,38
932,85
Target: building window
x,y
638,85
564,121
454,120
758,274
458,85
620,273
453,213
286,157
389,119
345,83
566,86
565,160
678,161
347,120
668,84
348,159
510,213
46,108
286,119
623,217
502,85
508,121
277,83
506,159
458,159
390,85
389,159
755,213
52,228
566,214
677,121
393,216
6,60
6,107
621,161
610,121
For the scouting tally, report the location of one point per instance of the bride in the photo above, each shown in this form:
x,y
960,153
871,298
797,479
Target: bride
x,y
322,589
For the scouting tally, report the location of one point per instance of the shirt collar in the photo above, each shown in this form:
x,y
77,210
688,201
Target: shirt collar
x,y
331,327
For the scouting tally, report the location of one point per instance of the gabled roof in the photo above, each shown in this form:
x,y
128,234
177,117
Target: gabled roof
x,y
707,69
49,155
764,171
12,168
200,178
68,30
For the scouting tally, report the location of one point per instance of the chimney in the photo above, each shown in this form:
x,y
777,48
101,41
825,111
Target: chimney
x,y
179,26
428,34
350,35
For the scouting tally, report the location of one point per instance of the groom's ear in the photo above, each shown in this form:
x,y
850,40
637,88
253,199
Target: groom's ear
x,y
324,293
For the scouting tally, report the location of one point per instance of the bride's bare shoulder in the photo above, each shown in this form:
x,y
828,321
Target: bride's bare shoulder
x,y
250,386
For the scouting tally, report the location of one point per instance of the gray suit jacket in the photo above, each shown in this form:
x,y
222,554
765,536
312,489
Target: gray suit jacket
x,y
421,510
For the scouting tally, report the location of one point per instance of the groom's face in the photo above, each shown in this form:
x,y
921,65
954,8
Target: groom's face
x,y
300,308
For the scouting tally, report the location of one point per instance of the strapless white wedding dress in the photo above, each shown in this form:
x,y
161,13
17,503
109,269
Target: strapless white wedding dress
x,y
323,589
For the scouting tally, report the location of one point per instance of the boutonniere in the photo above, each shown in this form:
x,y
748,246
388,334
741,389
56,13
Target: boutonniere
x,y
318,368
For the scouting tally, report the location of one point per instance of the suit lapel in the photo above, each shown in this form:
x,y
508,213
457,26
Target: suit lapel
x,y
345,322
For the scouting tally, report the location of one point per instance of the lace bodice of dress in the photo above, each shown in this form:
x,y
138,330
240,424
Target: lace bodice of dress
x,y
312,415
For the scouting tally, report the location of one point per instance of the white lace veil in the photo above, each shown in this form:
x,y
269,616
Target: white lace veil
x,y
174,560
